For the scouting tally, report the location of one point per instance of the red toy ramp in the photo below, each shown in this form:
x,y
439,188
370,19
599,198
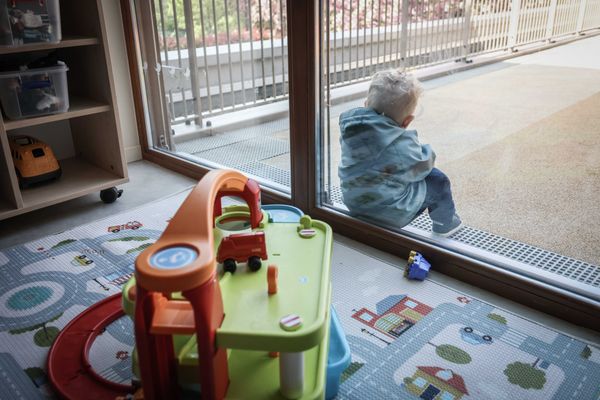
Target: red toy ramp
x,y
69,368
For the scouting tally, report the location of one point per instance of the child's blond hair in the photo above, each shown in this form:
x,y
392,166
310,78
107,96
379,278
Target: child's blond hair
x,y
394,94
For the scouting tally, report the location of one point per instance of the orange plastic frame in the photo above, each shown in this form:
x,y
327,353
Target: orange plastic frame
x,y
192,226
158,316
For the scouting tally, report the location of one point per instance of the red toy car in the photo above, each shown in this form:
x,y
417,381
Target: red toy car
x,y
242,247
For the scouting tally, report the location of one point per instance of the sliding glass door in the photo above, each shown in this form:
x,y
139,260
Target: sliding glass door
x,y
260,86
215,78
521,170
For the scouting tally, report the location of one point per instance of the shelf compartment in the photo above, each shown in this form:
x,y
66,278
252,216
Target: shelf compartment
x,y
69,41
79,178
79,107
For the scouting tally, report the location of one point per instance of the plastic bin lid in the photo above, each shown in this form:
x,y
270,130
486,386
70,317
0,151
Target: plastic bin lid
x,y
61,67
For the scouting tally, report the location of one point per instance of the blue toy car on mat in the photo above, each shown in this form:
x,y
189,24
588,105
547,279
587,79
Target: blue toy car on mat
x,y
470,336
417,267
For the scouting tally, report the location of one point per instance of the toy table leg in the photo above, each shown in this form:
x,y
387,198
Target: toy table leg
x,y
291,374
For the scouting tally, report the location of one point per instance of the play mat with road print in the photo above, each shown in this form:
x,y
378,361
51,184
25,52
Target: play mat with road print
x,y
409,340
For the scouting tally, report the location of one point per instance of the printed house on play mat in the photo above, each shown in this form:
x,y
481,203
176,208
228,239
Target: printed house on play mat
x,y
436,383
395,314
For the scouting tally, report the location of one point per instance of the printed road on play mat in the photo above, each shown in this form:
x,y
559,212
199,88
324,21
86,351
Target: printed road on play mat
x,y
413,339
409,340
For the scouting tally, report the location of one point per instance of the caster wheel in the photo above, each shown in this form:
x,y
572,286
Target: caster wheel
x,y
254,263
229,265
110,195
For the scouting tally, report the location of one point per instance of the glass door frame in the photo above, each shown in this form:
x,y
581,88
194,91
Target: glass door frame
x,y
306,143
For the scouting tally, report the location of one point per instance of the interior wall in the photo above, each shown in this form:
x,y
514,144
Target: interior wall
x,y
120,70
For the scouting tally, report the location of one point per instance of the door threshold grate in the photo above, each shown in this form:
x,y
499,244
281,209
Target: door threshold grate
x,y
553,268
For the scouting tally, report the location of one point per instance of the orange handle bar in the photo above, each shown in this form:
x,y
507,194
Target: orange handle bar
x,y
183,257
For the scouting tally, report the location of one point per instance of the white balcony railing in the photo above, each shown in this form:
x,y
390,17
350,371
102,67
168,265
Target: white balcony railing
x,y
239,56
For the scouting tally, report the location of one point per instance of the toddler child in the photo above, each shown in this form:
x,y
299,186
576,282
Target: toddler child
x,y
386,174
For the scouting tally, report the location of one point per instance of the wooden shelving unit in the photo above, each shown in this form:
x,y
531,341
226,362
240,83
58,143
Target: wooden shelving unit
x,y
68,41
78,108
91,121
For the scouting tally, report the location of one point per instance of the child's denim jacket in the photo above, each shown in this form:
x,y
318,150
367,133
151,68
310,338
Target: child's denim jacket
x,y
383,167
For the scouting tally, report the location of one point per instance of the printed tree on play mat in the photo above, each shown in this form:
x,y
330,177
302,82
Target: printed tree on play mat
x,y
497,318
63,243
130,239
351,370
453,354
586,352
139,248
44,336
526,376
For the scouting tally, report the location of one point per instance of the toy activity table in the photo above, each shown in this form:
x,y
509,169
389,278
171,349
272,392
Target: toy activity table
x,y
252,344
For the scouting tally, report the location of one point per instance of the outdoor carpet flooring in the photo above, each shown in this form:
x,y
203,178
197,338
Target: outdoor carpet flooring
x,y
539,185
408,339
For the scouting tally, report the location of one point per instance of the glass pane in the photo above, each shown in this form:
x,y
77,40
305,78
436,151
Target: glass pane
x,y
517,139
223,101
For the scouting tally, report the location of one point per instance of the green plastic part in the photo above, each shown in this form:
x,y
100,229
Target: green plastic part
x,y
254,374
127,303
305,222
252,316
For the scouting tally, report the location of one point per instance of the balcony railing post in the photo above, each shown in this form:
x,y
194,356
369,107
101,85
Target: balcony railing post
x,y
581,17
513,25
466,33
403,34
551,18
149,43
192,61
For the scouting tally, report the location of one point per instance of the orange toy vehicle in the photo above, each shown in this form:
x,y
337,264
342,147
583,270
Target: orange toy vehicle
x,y
34,160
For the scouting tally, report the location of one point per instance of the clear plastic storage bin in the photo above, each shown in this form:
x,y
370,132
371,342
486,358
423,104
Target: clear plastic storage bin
x,y
33,92
27,21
